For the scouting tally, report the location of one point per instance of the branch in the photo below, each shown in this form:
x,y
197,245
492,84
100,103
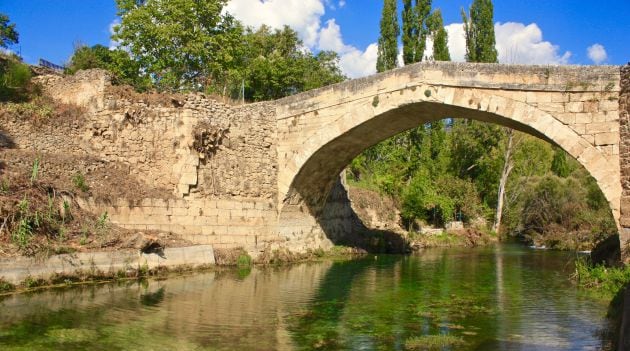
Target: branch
x,y
3,224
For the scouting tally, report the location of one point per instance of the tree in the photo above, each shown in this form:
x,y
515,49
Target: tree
x,y
8,34
182,44
415,29
560,165
388,41
479,32
435,24
274,65
124,69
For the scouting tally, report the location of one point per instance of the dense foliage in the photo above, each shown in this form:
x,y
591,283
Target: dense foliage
x,y
8,34
274,64
15,79
124,69
477,172
188,45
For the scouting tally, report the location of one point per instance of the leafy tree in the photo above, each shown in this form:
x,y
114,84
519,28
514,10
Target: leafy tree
x,y
479,32
182,44
560,165
274,65
439,35
8,34
118,62
388,41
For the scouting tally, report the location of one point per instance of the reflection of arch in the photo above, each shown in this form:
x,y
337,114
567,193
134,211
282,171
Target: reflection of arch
x,y
311,169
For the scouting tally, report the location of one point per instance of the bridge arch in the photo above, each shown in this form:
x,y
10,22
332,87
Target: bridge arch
x,y
320,136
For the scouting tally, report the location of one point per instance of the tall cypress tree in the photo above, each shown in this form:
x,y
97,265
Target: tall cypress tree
x,y
388,41
479,31
440,37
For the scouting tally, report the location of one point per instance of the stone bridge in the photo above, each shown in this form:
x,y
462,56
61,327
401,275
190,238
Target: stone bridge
x,y
319,132
266,175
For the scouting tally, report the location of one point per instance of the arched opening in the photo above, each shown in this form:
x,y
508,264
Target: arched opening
x,y
315,190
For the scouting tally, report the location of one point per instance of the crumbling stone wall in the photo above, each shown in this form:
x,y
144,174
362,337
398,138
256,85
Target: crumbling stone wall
x,y
624,158
160,143
218,161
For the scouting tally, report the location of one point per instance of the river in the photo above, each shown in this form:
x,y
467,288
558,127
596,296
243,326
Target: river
x,y
499,298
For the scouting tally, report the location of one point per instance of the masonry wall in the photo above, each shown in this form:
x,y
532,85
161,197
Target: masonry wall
x,y
624,159
217,161
223,223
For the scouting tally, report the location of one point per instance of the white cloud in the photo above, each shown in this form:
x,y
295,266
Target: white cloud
x,y
330,38
353,62
356,63
342,3
597,53
304,16
456,42
516,43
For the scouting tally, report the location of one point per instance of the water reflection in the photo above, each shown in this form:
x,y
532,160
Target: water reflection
x,y
504,298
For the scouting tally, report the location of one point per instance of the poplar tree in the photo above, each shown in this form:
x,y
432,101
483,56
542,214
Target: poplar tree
x,y
409,32
479,32
481,47
388,41
439,35
415,29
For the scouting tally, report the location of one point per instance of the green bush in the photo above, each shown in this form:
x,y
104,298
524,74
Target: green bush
x,y
605,279
79,182
244,260
15,78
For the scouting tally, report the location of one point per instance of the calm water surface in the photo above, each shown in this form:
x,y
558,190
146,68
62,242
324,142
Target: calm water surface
x,y
504,298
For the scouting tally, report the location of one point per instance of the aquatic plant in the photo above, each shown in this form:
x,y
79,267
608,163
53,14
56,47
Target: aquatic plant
x,y
432,342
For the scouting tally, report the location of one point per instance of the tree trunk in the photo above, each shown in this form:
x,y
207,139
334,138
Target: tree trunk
x,y
507,168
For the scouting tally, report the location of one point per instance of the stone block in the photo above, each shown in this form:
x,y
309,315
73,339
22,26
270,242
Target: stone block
x,y
574,107
609,105
602,127
610,138
551,107
189,178
591,106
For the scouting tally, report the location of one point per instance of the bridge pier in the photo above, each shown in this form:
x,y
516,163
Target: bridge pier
x,y
624,160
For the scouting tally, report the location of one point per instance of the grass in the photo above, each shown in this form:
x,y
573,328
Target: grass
x,y
5,286
609,280
244,260
432,342
79,182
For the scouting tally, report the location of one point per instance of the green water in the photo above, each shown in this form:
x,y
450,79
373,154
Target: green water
x,y
503,298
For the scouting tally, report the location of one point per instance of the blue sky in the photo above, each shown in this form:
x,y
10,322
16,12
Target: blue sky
x,y
549,32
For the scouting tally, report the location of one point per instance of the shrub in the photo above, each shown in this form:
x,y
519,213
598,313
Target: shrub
x,y
244,260
79,182
15,80
606,279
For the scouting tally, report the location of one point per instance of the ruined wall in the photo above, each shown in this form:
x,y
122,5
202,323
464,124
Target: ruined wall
x,y
218,161
155,136
624,159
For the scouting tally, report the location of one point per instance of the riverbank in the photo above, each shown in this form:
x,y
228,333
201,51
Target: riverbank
x,y
22,274
612,284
